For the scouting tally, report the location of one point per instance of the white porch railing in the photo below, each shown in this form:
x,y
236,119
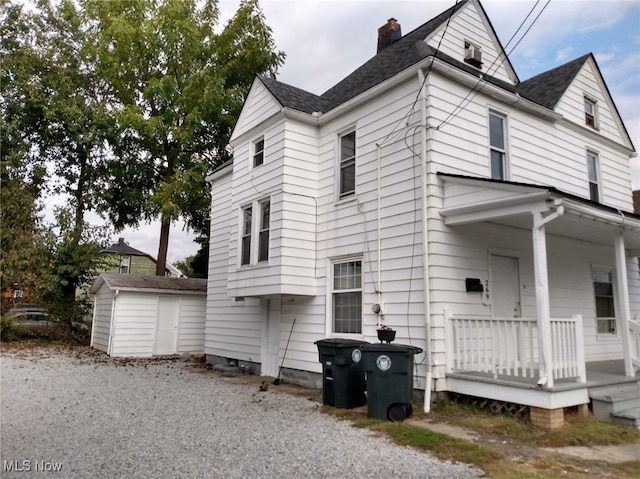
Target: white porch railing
x,y
510,347
634,333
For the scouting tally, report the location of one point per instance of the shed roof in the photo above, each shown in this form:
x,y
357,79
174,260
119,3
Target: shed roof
x,y
161,284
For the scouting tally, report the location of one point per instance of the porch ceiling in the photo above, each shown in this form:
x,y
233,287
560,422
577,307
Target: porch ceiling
x,y
472,200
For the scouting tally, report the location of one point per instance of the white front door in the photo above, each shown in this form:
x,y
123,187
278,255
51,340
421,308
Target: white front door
x,y
167,325
505,286
270,338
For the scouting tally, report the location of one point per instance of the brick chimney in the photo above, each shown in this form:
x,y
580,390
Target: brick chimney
x,y
388,34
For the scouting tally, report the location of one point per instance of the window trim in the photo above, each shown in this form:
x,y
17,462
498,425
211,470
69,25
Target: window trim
x,y
611,320
262,230
331,292
598,179
350,194
591,119
257,153
504,151
128,265
246,246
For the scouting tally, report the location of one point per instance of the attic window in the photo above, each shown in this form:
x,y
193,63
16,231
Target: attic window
x,y
590,112
472,54
258,152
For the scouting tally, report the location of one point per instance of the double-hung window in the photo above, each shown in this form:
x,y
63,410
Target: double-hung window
x,y
254,241
247,222
594,175
263,234
347,179
605,309
590,112
497,141
258,152
125,264
347,297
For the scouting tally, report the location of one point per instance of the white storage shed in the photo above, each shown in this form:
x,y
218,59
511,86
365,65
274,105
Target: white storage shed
x,y
144,316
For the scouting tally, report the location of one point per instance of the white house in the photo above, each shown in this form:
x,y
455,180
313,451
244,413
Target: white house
x,y
487,219
144,316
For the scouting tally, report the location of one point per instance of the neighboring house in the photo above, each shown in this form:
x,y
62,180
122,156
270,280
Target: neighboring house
x,y
128,260
144,316
488,220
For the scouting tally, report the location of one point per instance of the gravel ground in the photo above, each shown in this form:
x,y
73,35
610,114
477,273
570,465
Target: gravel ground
x,y
96,417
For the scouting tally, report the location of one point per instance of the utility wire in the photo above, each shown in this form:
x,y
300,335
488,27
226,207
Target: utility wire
x,y
410,111
477,88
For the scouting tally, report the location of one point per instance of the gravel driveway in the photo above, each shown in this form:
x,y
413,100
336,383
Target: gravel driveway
x,y
70,414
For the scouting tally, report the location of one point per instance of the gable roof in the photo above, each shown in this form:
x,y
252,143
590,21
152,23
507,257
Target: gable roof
x,y
293,97
123,248
547,88
163,284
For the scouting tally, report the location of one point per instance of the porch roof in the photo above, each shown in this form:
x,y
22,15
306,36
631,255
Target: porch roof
x,y
470,200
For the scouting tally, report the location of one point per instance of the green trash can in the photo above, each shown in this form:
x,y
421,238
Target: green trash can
x,y
389,369
343,379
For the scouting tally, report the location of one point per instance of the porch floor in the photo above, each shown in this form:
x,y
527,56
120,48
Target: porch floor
x,y
599,373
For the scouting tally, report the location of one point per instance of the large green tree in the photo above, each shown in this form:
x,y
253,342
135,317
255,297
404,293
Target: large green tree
x,y
178,86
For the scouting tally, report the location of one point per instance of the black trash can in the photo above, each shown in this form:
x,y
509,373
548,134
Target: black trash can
x,y
343,379
389,369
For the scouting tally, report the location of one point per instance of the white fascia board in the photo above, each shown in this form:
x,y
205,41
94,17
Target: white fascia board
x,y
220,173
618,219
494,91
129,289
495,209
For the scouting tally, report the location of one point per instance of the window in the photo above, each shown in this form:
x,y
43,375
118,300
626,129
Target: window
x,y
245,254
258,152
603,292
263,235
125,262
347,297
348,164
590,112
594,182
498,146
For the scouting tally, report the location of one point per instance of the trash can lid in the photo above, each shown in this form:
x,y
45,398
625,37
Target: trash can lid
x,y
340,342
392,348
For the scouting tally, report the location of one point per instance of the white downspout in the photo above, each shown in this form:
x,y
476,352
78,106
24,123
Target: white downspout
x,y
379,287
425,170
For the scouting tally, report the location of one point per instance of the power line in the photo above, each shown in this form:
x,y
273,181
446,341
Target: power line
x,y
479,86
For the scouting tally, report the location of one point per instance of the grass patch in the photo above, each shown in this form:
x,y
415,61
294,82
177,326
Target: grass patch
x,y
516,432
578,430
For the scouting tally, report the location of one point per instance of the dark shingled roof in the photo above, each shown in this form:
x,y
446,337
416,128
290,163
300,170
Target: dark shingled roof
x,y
296,98
168,283
123,248
547,88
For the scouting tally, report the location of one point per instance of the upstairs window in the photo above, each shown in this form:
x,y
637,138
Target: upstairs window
x,y
258,152
594,176
347,165
591,112
347,297
125,264
245,253
263,235
605,310
497,146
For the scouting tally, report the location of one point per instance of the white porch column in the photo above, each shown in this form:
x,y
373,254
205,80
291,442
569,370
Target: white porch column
x,y
624,315
542,299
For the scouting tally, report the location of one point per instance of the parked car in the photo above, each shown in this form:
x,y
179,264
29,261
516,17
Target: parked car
x,y
29,319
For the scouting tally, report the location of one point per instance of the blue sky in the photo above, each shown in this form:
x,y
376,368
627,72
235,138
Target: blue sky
x,y
327,39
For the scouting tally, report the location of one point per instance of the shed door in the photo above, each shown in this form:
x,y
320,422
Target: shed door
x,y
167,325
505,286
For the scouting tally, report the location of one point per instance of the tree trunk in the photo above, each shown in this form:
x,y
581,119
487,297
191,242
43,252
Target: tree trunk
x,y
161,265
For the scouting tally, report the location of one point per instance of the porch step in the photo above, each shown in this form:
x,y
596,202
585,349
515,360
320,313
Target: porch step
x,y
619,402
628,417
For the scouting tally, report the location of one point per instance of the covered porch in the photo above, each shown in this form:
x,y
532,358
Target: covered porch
x,y
540,360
